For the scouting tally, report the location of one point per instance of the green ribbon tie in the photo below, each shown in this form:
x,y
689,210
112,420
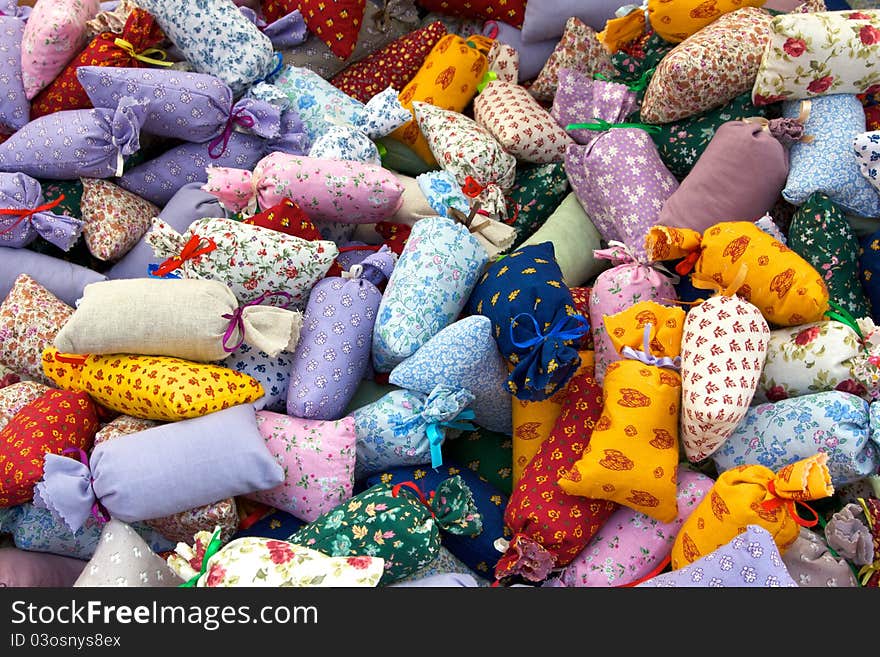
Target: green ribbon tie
x,y
213,548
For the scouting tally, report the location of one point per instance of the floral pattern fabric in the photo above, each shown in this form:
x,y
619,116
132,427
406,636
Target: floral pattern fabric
x,y
394,431
486,453
470,153
428,288
522,127
631,545
265,260
448,79
55,32
778,282
820,233
50,424
392,66
837,424
264,562
751,494
622,199
462,355
397,523
680,143
578,50
477,551
442,192
16,396
628,282
154,388
65,145
536,193
38,530
722,357
333,351
13,102
115,219
634,450
30,318
19,191
809,358
827,163
867,149
708,69
812,54
272,373
318,458
525,298
549,526
215,38
66,93
749,560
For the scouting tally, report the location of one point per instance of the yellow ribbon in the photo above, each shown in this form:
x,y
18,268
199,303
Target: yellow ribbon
x,y
806,108
145,55
705,283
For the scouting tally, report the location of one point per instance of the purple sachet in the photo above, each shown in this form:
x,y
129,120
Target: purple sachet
x,y
63,279
161,471
25,214
285,33
194,107
14,105
333,352
581,99
158,179
71,144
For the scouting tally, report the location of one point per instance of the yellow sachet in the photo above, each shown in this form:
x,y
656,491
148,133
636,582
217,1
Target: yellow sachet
x,y
633,454
448,79
752,495
781,284
151,387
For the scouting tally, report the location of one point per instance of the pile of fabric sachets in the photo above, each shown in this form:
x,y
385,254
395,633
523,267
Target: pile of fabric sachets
x,y
451,293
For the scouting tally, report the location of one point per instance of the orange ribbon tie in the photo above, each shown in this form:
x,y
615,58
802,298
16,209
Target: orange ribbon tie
x,y
192,249
790,506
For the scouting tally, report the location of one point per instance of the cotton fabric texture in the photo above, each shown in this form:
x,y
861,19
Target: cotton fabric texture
x,y
190,319
709,68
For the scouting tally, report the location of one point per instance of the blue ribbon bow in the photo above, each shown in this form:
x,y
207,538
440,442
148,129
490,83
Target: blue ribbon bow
x,y
555,331
279,62
436,434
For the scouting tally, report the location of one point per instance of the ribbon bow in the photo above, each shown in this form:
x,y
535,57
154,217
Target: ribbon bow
x,y
647,357
490,76
790,506
212,548
235,118
236,319
395,491
843,316
192,249
471,188
435,435
99,513
555,333
638,85
144,56
279,62
601,125
24,213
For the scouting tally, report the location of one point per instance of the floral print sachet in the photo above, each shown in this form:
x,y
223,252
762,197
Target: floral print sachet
x,y
399,523
253,561
266,261
814,54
